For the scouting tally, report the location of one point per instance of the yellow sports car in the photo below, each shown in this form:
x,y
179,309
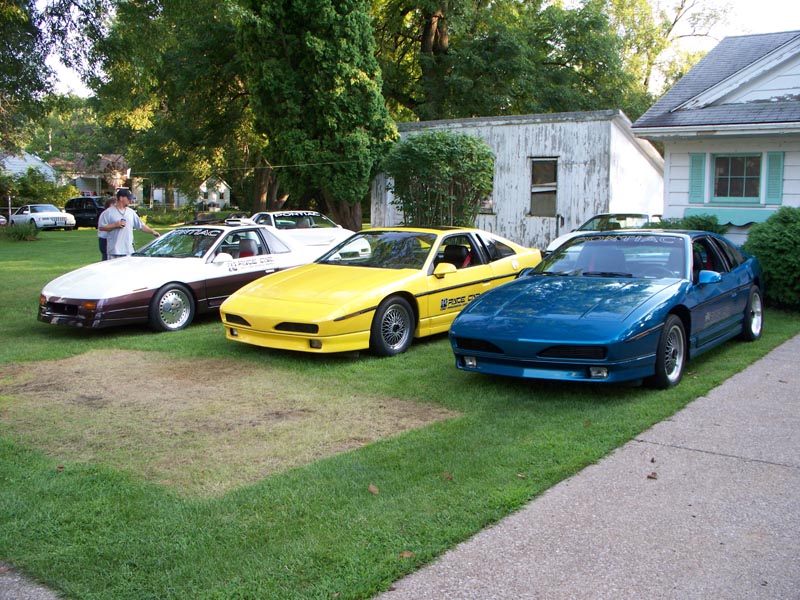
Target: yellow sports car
x,y
378,289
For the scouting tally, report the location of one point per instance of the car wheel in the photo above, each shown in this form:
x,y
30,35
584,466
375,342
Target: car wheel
x,y
172,308
753,316
670,354
392,327
33,223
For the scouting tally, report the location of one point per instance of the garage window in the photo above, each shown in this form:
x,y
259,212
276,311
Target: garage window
x,y
544,187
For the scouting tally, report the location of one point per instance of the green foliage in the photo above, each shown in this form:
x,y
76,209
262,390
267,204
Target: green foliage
x,y
34,187
23,72
20,233
72,127
440,178
481,59
776,244
693,222
316,93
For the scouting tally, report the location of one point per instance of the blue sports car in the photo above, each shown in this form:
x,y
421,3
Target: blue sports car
x,y
611,307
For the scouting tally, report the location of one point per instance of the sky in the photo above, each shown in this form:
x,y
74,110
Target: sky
x,y
744,17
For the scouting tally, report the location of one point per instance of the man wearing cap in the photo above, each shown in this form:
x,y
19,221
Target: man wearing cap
x,y
119,221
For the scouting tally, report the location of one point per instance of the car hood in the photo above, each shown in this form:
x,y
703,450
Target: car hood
x,y
120,276
567,307
321,289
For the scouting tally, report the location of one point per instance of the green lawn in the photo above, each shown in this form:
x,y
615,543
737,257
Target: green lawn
x,y
343,526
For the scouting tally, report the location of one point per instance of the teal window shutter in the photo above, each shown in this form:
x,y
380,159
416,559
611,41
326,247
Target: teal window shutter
x,y
774,194
697,178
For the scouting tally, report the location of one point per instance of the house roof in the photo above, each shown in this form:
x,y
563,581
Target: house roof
x,y
18,164
707,96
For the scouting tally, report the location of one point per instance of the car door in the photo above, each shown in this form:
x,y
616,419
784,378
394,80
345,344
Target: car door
x,y
718,307
449,293
252,256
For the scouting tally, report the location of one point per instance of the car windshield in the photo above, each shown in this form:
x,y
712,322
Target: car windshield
x,y
181,243
42,208
609,222
649,256
302,220
383,250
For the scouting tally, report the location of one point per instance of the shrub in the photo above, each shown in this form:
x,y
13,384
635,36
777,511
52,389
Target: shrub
x,y
698,222
776,244
440,178
20,233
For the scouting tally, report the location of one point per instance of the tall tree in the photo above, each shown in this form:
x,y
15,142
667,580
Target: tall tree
x,y
478,58
316,91
24,76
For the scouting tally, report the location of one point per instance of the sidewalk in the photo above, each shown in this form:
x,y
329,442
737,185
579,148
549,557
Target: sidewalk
x,y
703,505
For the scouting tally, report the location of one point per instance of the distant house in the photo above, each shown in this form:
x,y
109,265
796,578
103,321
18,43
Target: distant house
x,y
18,164
731,132
552,172
98,177
212,193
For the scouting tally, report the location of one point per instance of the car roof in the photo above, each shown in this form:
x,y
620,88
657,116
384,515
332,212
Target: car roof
x,y
421,228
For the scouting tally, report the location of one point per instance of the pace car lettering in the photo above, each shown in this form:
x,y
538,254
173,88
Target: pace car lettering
x,y
459,302
257,261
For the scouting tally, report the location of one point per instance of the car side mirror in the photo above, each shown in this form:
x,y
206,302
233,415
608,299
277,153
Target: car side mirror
x,y
706,277
222,257
443,269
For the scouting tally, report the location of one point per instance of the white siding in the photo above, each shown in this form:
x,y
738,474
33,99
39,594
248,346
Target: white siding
x,y
676,192
637,184
774,85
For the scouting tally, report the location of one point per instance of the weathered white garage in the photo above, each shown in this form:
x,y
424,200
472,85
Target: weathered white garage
x,y
552,172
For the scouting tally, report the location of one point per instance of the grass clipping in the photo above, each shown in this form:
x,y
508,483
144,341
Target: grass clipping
x,y
202,426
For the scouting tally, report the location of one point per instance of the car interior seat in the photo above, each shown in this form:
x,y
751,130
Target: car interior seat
x,y
303,223
247,247
456,255
602,258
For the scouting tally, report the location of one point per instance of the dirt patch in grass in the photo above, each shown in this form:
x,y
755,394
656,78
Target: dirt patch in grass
x,y
202,426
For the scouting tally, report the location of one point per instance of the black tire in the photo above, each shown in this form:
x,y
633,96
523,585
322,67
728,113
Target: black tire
x,y
33,222
670,354
392,327
753,322
172,308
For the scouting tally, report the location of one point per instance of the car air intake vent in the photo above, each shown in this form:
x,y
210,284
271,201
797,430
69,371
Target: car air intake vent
x,y
60,308
578,352
236,320
477,345
298,327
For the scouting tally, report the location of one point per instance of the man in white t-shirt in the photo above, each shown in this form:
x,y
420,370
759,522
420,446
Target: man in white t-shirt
x,y
119,221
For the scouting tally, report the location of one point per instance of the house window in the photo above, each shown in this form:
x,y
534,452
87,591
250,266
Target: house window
x,y
544,186
737,177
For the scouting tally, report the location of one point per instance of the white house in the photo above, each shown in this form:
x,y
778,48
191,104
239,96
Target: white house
x,y
18,164
731,132
213,192
552,172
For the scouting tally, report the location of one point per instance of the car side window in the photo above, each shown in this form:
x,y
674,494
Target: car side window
x,y
495,249
706,256
732,254
273,244
459,251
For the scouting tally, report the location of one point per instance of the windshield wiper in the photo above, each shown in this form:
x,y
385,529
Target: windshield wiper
x,y
606,274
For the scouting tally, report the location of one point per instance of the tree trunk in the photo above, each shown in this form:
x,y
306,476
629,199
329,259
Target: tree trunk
x,y
346,215
261,186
